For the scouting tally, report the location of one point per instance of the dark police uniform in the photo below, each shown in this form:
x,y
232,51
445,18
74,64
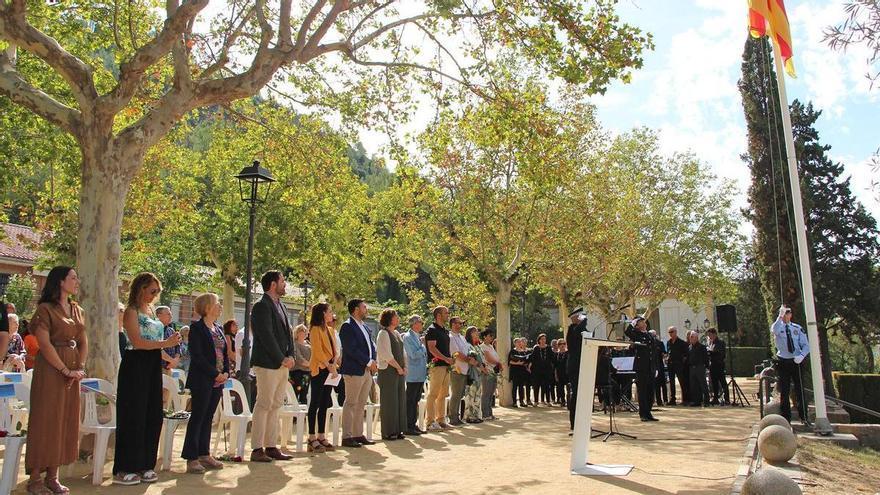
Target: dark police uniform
x,y
645,367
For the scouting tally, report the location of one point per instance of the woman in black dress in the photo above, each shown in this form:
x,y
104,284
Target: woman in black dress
x,y
518,360
541,360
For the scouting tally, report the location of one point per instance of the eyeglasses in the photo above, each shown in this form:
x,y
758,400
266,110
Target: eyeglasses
x,y
155,291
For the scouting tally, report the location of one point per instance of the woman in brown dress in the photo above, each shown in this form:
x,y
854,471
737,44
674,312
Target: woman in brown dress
x,y
53,424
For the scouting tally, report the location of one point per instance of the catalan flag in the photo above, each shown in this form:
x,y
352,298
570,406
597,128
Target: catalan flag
x,y
764,14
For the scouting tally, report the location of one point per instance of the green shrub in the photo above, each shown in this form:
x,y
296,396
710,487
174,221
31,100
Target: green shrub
x,y
861,390
741,361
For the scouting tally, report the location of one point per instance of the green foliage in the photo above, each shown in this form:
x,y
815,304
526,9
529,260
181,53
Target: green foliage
x,y
22,289
742,360
752,319
850,356
861,390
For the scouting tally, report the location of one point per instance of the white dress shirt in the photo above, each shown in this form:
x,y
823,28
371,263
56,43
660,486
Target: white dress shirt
x,y
367,338
459,345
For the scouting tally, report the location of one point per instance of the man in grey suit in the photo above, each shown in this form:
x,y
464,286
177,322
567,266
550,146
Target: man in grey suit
x,y
272,358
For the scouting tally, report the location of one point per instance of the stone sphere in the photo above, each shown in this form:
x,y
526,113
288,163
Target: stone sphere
x,y
770,482
777,444
773,419
772,407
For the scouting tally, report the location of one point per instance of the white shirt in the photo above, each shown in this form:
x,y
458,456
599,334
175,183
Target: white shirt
x,y
366,337
383,349
459,345
490,351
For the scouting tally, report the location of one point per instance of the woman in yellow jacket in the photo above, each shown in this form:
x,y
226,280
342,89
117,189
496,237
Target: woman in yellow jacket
x,y
323,365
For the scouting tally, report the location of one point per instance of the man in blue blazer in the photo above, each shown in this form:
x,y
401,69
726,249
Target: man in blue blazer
x,y
358,366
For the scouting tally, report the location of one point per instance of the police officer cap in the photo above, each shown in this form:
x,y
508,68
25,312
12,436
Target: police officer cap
x,y
576,312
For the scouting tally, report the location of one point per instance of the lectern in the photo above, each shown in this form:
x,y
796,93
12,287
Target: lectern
x,y
583,417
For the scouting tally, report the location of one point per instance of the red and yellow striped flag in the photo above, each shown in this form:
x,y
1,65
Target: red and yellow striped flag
x,y
771,14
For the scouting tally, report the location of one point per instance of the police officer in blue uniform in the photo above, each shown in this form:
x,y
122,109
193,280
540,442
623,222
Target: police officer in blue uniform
x,y
792,348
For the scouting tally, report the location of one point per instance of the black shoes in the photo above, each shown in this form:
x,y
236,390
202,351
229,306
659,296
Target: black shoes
x,y
351,442
415,433
649,418
364,441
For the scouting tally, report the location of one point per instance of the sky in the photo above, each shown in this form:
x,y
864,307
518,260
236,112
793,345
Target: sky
x,y
687,89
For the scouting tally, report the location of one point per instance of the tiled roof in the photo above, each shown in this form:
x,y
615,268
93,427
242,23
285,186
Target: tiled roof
x,y
19,242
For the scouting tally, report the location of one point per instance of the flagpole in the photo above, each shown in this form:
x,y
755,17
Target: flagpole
x,y
822,425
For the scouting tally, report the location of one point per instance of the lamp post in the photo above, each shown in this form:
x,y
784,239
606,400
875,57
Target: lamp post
x,y
249,181
305,286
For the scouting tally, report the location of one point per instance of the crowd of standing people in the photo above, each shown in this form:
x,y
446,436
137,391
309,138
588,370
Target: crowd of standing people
x,y
456,370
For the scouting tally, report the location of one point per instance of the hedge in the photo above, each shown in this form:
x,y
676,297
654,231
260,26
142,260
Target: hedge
x,y
862,390
741,361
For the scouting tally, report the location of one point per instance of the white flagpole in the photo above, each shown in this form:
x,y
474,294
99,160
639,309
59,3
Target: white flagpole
x,y
822,426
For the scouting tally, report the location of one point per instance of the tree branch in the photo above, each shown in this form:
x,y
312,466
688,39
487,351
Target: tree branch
x,y
307,24
179,52
132,72
23,93
338,7
223,58
15,29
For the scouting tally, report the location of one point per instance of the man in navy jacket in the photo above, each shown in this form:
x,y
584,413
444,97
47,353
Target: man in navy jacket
x,y
358,366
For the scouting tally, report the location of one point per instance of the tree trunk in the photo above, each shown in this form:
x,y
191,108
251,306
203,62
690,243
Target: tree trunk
x,y
826,362
869,351
562,302
106,175
502,324
228,300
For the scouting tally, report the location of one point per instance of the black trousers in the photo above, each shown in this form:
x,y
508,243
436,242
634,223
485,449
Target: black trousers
x,y
719,383
561,390
198,429
680,373
698,388
789,372
138,411
645,386
572,403
660,396
413,396
321,401
520,378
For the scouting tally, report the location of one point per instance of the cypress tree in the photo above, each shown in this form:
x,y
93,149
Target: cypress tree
x,y
841,234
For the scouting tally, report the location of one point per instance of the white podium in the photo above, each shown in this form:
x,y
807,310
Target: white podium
x,y
583,416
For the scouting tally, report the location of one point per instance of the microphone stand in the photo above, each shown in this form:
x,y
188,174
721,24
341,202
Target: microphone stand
x,y
612,406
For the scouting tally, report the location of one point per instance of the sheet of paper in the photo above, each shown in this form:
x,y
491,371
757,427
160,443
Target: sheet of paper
x,y
332,382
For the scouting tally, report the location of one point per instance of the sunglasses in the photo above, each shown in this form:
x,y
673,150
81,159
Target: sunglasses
x,y
153,292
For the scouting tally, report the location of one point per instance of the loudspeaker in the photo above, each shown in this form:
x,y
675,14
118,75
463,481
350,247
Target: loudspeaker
x,y
725,315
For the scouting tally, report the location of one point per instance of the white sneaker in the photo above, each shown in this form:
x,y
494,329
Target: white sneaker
x,y
435,426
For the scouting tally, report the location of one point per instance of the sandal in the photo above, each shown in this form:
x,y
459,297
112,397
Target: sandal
x,y
126,479
195,467
316,446
327,445
37,487
55,487
149,476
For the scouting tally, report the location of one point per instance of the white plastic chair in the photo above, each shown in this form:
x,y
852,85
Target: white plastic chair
x,y
169,425
10,393
423,405
90,423
371,418
291,410
238,423
334,419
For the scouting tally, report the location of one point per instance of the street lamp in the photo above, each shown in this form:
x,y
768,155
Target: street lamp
x,y
687,324
4,320
249,181
706,324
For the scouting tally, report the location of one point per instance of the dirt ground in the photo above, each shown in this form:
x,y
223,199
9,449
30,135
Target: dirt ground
x,y
690,451
833,469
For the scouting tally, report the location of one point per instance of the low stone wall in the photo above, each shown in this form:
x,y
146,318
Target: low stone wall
x,y
868,435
